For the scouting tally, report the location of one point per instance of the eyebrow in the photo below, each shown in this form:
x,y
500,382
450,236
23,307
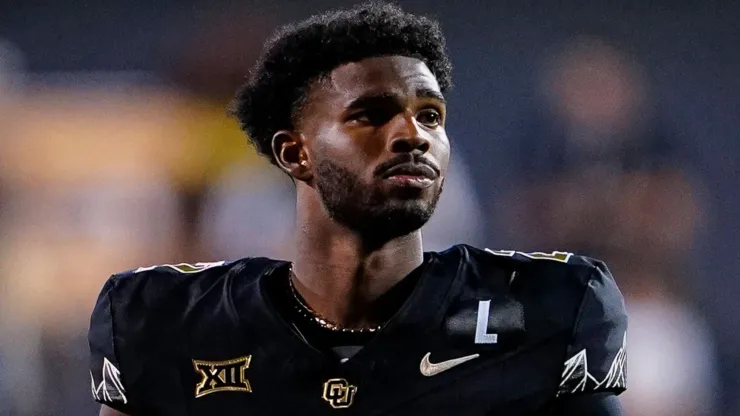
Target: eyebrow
x,y
430,93
370,99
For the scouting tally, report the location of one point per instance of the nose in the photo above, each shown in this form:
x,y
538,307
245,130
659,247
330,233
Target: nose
x,y
407,136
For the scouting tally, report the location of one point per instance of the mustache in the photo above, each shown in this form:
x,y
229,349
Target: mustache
x,y
403,159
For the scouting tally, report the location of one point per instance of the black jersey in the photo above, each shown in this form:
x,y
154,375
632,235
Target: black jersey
x,y
482,333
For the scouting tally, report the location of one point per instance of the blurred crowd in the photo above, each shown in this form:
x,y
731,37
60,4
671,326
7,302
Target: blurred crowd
x,y
600,175
106,171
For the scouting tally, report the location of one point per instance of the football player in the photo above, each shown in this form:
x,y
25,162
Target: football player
x,y
351,105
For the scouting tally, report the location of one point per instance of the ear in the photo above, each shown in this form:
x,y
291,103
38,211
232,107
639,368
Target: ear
x,y
290,154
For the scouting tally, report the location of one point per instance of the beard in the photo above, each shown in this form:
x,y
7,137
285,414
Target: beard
x,y
368,210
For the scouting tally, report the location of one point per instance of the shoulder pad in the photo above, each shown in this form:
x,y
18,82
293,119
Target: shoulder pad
x,y
541,257
147,287
135,315
554,263
597,353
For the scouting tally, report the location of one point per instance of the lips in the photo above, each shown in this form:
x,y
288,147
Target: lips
x,y
411,170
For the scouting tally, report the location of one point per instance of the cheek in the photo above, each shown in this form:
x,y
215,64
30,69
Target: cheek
x,y
332,144
329,143
350,147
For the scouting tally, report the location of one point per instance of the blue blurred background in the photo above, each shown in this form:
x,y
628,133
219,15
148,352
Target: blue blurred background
x,y
607,128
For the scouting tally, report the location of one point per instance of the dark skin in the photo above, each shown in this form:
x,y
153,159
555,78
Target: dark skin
x,y
339,270
360,117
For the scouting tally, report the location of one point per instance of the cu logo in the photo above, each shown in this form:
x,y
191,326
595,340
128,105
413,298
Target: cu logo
x,y
339,393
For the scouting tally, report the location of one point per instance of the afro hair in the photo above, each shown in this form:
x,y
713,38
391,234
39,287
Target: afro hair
x,y
301,54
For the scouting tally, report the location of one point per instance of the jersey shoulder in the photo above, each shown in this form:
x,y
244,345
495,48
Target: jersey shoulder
x,y
135,293
134,296
555,269
572,294
158,281
142,311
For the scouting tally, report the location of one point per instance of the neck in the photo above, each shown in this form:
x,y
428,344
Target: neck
x,y
340,274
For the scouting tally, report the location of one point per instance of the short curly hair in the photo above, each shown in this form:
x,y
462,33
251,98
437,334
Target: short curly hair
x,y
300,54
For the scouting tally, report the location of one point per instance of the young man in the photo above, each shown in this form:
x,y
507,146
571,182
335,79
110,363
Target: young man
x,y
350,104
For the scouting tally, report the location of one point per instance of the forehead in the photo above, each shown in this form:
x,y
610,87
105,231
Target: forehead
x,y
388,74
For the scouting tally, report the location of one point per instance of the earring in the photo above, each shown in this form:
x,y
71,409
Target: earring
x,y
304,163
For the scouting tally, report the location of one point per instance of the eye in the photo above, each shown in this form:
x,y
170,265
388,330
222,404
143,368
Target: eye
x,y
359,117
372,116
429,117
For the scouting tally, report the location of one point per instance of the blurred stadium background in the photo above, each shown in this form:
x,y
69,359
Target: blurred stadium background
x,y
609,128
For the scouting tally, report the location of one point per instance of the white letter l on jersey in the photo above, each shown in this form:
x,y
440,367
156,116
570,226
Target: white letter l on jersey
x,y
481,329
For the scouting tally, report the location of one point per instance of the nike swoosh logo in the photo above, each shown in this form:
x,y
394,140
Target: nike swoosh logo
x,y
432,369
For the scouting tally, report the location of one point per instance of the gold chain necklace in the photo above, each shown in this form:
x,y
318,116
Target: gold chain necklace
x,y
314,316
